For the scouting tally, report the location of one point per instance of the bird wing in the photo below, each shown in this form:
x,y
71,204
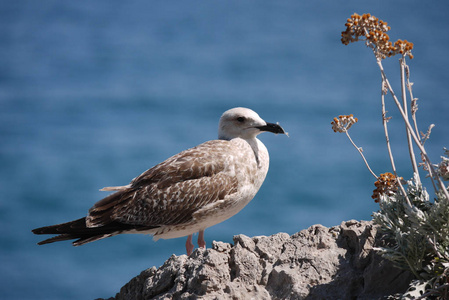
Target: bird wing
x,y
172,191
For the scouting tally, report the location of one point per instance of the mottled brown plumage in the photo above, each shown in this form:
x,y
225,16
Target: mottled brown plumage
x,y
186,193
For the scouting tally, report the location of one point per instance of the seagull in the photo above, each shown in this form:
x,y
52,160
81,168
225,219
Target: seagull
x,y
187,193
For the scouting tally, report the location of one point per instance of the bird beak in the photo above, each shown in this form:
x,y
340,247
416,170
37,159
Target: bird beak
x,y
274,128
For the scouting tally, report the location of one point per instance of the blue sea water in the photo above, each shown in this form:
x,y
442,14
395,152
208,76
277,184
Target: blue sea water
x,y
92,93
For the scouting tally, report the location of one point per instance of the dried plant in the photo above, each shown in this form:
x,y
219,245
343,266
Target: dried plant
x,y
416,229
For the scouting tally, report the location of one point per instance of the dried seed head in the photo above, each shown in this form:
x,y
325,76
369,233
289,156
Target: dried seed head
x,y
373,31
385,185
343,123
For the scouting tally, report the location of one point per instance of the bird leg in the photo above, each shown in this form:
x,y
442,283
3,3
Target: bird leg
x,y
201,242
189,245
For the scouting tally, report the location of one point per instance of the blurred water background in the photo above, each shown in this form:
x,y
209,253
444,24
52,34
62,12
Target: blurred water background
x,y
92,93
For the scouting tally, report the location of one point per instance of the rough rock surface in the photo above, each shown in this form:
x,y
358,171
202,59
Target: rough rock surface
x,y
315,263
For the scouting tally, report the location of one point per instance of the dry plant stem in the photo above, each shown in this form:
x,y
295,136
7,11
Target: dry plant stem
x,y
361,154
390,153
404,103
414,109
384,123
414,106
413,134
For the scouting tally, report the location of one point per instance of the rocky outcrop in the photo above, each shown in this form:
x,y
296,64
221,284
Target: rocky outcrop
x,y
315,263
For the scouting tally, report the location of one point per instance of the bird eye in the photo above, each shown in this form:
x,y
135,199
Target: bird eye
x,y
241,119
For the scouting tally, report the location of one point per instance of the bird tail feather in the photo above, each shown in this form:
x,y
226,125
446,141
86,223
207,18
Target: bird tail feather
x,y
77,230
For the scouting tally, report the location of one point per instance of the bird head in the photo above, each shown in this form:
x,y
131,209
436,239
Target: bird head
x,y
244,123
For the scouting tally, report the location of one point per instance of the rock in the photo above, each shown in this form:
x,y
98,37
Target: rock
x,y
315,263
